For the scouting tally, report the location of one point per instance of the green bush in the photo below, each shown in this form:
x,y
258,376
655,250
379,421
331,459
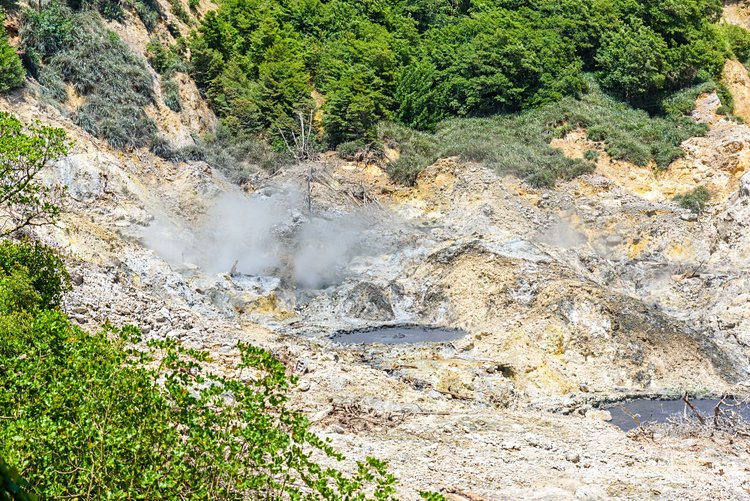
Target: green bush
x,y
738,40
149,12
43,267
164,59
171,93
11,70
94,416
726,99
180,13
591,155
24,151
350,149
47,31
520,143
80,51
694,200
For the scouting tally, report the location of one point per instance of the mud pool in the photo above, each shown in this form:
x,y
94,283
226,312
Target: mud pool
x,y
660,411
398,334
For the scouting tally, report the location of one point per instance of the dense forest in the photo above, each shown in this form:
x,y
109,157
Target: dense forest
x,y
421,61
374,72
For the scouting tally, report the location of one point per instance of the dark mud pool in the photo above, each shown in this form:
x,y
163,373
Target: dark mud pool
x,y
660,411
398,334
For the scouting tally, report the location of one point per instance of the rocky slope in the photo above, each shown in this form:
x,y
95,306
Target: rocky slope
x,y
599,289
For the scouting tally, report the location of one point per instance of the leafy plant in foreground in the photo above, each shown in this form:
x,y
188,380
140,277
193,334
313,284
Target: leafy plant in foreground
x,y
24,152
107,416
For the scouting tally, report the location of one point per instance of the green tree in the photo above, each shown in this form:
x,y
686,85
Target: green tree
x,y
354,108
420,101
11,70
24,152
632,61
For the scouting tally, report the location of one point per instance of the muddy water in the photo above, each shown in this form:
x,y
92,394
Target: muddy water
x,y
398,334
659,411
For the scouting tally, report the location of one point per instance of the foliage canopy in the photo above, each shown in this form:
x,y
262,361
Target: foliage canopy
x,y
24,152
11,70
421,61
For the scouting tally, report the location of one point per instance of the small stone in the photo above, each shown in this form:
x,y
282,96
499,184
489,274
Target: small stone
x,y
321,415
739,300
613,240
304,385
510,446
163,316
573,457
690,216
590,492
334,428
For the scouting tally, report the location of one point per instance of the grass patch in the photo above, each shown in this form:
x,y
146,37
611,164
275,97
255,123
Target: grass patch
x,y
726,99
519,144
238,156
180,13
76,49
171,94
694,200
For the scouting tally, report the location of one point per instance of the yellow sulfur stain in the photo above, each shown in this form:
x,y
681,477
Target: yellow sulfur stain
x,y
545,377
637,246
269,305
679,251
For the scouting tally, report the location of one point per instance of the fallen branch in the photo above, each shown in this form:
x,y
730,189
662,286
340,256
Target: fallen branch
x,y
692,408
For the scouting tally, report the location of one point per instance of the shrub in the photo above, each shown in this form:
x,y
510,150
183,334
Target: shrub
x,y
164,59
149,14
349,149
24,152
405,170
47,31
180,13
43,267
72,432
99,66
11,70
738,40
591,155
726,99
171,94
694,200
236,154
122,125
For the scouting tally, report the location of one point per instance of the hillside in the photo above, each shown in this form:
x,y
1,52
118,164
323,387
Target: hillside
x,y
452,176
